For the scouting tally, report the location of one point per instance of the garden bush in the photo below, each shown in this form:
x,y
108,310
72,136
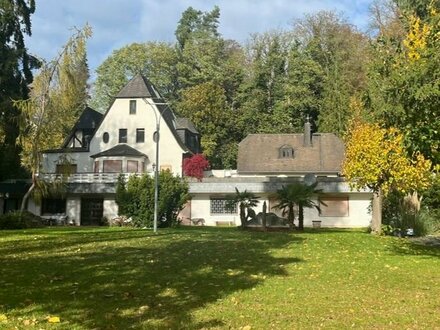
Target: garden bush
x,y
20,220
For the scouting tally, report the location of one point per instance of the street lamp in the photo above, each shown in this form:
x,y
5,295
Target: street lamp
x,y
156,138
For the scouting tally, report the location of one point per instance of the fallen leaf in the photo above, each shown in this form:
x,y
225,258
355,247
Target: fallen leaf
x,y
53,319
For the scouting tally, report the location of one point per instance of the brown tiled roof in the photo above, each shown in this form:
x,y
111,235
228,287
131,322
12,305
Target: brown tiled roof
x,y
260,153
139,86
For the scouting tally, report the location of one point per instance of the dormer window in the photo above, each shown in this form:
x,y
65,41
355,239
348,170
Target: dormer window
x,y
286,151
132,107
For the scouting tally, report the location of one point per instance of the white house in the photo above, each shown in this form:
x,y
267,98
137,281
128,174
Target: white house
x,y
100,147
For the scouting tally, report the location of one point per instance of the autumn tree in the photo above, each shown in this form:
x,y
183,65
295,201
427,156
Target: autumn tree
x,y
16,67
195,165
45,110
403,85
376,158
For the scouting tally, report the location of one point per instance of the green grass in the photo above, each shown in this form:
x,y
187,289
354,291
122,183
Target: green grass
x,y
216,278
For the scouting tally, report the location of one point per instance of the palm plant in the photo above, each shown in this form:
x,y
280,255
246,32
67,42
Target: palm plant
x,y
246,201
298,194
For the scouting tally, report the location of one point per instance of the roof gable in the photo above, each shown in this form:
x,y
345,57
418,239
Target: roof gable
x,y
138,87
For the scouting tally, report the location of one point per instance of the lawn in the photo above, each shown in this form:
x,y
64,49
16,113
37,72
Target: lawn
x,y
215,278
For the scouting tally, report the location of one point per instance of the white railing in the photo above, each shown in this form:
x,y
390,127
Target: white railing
x,y
88,177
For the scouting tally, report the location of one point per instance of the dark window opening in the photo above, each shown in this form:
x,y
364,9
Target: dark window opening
x,y
105,137
53,206
122,135
66,169
140,135
132,107
286,152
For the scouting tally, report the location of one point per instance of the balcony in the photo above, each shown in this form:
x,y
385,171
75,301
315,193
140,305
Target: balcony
x,y
88,177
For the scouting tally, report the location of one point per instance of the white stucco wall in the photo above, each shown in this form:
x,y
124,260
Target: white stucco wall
x,y
358,216
110,208
170,152
73,210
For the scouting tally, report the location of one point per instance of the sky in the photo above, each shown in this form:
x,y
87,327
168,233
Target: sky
x,y
116,23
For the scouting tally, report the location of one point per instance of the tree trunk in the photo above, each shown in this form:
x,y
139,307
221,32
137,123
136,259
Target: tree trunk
x,y
300,217
376,221
264,215
28,193
291,217
242,215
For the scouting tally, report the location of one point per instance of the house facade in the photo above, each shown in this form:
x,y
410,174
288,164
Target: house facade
x,y
266,163
123,140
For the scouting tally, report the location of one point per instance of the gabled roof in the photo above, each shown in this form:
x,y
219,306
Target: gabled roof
x,y
259,153
120,150
138,87
185,123
88,121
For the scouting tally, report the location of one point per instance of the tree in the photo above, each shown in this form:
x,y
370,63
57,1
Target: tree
x,y
195,165
342,53
376,158
404,89
155,60
246,201
205,105
16,67
135,198
45,110
296,194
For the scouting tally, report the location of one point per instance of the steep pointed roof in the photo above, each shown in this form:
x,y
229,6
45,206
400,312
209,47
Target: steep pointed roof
x,y
138,87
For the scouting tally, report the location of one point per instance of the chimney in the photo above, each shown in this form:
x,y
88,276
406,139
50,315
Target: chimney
x,y
307,133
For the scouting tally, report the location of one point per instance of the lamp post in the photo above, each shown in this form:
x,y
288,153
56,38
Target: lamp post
x,y
156,138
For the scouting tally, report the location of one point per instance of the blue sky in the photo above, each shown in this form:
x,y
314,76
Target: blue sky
x,y
116,23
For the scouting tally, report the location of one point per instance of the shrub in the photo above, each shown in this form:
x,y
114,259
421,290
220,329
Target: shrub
x,y
195,165
20,220
136,199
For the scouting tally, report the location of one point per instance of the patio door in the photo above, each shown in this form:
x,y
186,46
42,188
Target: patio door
x,y
92,210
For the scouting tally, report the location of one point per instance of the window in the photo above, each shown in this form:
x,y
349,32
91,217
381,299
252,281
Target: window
x,y
132,107
333,206
218,206
286,151
132,166
140,135
65,169
53,206
122,135
105,137
112,166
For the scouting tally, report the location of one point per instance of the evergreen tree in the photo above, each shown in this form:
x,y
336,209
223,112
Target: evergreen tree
x,y
15,75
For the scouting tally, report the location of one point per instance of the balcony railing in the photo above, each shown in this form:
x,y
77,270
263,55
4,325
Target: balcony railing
x,y
88,177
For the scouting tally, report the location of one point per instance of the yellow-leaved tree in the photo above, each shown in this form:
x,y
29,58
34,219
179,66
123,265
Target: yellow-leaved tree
x,y
376,158
58,93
